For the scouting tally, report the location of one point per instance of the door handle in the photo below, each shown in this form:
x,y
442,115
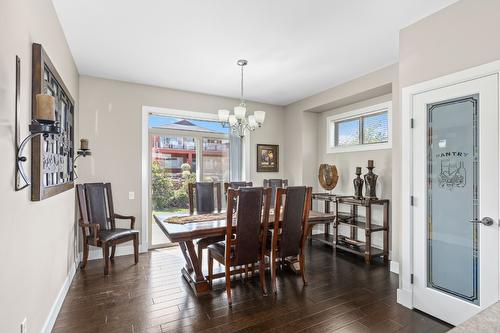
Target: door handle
x,y
486,221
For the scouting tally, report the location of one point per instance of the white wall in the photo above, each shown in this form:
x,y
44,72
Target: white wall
x,y
37,238
110,117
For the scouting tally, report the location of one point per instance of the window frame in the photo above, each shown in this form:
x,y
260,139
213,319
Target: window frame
x,y
332,125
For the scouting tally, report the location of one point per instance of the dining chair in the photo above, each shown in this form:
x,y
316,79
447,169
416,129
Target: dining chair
x,y
275,184
246,244
290,232
204,197
97,220
236,185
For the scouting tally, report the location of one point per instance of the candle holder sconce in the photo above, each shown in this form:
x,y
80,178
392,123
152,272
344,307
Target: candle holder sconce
x,y
84,151
42,125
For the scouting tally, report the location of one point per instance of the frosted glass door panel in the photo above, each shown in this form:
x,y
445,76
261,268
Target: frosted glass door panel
x,y
452,197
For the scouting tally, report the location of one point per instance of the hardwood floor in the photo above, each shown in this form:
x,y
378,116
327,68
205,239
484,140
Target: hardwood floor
x,y
343,295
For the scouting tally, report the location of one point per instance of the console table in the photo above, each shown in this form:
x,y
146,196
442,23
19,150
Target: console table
x,y
354,221
325,237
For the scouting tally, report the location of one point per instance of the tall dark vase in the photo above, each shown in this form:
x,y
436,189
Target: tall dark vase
x,y
358,184
370,182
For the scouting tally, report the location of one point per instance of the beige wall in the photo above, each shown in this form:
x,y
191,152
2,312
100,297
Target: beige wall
x,y
110,118
305,123
37,238
460,36
347,162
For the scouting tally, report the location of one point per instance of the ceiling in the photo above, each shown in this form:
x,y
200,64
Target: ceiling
x,y
295,48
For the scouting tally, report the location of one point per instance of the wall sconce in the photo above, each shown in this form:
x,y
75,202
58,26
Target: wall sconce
x,y
44,123
82,152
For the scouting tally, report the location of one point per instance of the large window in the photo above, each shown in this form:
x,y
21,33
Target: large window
x,y
363,129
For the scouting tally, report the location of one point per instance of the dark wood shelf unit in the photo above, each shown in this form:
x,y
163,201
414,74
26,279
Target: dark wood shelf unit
x,y
356,222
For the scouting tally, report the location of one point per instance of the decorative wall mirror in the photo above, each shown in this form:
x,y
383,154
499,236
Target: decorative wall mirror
x,y
51,155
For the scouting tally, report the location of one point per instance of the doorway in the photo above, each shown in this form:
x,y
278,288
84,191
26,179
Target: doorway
x,y
454,236
182,151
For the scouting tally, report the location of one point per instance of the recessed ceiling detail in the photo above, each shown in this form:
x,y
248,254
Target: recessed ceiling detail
x,y
297,48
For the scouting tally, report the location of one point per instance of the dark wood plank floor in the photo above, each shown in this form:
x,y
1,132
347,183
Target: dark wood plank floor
x,y
343,295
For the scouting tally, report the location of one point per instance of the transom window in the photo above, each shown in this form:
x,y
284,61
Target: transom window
x,y
362,129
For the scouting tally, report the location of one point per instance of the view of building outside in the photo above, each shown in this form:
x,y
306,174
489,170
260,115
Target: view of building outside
x,y
173,164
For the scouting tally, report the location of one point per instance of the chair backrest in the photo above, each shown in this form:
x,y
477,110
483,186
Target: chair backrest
x,y
275,184
202,197
293,227
251,224
95,202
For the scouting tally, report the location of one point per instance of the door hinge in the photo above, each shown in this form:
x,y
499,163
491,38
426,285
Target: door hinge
x,y
411,278
411,200
412,123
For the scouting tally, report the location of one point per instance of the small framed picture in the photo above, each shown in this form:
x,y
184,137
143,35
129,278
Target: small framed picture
x,y
267,158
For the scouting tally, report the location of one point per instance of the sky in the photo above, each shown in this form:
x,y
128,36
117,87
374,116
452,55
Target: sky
x,y
156,120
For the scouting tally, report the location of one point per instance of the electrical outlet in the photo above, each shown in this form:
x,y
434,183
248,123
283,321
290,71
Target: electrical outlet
x,y
24,328
131,195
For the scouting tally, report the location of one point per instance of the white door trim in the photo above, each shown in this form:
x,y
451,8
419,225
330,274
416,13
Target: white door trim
x,y
145,178
405,290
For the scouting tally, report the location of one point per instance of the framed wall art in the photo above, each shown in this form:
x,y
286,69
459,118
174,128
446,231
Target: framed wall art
x,y
52,154
267,158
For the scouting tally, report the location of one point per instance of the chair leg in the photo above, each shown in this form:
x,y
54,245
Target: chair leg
x,y
85,255
228,285
274,267
303,268
136,249
210,269
105,256
113,250
262,277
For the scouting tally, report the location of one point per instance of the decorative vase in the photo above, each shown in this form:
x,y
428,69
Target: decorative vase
x,y
358,184
370,182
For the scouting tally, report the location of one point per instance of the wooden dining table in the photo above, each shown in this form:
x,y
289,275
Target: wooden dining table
x,y
185,234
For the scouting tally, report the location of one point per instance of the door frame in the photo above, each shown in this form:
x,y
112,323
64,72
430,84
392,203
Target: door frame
x,y
405,290
145,159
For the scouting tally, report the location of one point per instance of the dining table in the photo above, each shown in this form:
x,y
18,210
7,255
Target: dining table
x,y
181,230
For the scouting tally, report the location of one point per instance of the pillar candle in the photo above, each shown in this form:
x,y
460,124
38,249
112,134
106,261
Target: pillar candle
x,y
45,108
84,144
370,163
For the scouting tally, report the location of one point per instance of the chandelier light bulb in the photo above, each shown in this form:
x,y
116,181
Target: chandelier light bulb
x,y
224,115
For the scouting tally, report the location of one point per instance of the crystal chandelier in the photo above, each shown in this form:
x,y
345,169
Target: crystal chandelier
x,y
238,123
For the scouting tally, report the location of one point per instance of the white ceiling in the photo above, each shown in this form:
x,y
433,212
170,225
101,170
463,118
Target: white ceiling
x,y
295,48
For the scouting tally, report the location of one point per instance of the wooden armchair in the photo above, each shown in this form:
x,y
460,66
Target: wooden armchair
x,y
247,244
289,235
275,184
97,220
203,197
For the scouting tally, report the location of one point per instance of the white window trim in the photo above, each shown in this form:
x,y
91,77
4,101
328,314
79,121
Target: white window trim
x,y
373,109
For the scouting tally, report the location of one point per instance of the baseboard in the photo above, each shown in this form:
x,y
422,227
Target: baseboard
x,y
96,253
394,267
56,307
405,298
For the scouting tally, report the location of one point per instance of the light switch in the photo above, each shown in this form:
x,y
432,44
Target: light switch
x,y
131,195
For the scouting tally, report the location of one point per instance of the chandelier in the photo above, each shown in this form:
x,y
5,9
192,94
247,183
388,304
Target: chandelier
x,y
238,123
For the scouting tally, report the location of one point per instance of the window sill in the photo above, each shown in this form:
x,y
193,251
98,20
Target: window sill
x,y
355,148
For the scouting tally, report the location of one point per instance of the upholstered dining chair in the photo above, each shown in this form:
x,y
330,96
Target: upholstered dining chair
x,y
275,184
247,244
290,234
235,185
204,197
97,220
